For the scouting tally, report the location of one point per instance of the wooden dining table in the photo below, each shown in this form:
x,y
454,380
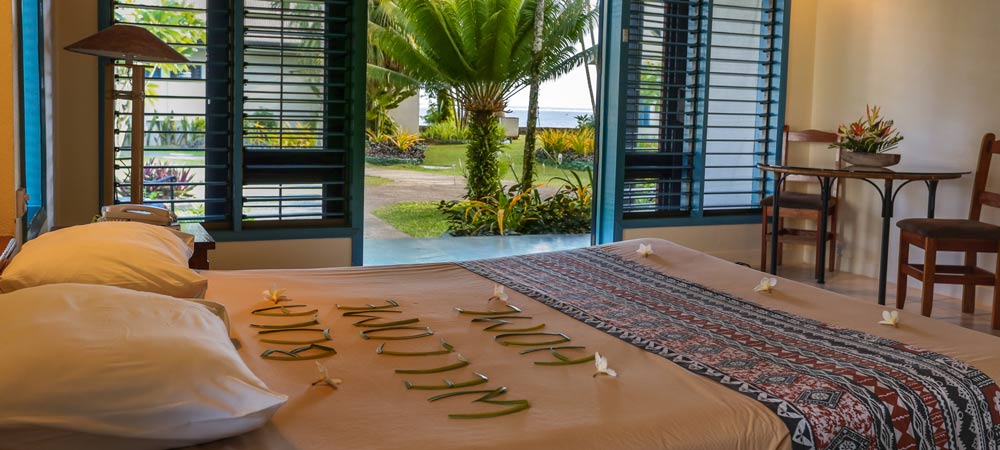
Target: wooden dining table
x,y
881,178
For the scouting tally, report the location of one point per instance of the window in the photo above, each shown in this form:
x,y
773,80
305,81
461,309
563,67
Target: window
x,y
32,106
702,98
258,130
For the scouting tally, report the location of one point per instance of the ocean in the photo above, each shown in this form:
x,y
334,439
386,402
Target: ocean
x,y
547,117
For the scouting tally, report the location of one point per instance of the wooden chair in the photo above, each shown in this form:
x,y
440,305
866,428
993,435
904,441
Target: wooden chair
x,y
955,235
795,205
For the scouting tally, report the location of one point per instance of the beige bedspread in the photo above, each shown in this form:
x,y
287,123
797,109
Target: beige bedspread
x,y
652,403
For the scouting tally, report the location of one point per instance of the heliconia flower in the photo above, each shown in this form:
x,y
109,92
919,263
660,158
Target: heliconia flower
x,y
645,250
274,294
325,378
890,318
601,363
766,285
499,293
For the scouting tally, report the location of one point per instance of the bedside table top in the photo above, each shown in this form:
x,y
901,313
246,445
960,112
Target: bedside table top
x,y
201,237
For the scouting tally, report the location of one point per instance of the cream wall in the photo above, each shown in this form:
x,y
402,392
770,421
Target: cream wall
x,y
8,167
933,66
73,160
742,242
730,242
281,254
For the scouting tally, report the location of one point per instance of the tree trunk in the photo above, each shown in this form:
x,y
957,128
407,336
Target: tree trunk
x,y
528,162
445,106
586,67
483,175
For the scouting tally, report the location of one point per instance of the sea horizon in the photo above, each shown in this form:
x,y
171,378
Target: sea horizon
x,y
547,117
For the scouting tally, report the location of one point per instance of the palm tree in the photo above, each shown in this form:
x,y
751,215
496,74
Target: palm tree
x,y
386,87
480,50
534,81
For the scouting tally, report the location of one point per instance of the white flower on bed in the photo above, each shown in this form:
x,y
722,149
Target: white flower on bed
x,y
499,293
602,366
890,318
766,285
645,250
325,377
275,294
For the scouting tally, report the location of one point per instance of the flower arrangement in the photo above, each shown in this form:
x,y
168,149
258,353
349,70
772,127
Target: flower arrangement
x,y
869,134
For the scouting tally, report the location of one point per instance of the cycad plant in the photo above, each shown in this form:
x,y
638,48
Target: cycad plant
x,y
480,50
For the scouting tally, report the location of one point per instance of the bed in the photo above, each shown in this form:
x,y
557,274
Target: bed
x,y
702,361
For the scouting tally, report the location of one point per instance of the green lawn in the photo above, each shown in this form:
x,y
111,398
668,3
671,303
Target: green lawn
x,y
417,219
450,155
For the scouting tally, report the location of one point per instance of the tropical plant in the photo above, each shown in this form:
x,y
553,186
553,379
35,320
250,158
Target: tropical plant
x,y
445,132
516,211
178,23
165,131
386,86
584,121
561,141
568,211
163,181
500,214
441,108
404,140
869,134
480,50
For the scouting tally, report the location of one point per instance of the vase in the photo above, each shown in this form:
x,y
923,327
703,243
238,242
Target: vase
x,y
871,159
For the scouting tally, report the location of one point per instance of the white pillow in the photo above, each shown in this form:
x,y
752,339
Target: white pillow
x,y
88,366
125,254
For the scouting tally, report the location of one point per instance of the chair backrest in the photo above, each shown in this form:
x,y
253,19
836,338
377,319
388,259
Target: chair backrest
x,y
980,196
806,137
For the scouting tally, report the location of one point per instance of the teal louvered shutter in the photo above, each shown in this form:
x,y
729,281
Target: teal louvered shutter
x,y
296,111
700,106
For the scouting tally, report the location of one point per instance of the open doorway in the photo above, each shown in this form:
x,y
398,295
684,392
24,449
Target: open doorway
x,y
448,130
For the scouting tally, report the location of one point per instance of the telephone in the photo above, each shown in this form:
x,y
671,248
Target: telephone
x,y
152,215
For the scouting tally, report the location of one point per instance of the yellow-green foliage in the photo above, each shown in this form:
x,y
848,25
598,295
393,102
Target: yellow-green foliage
x,y
579,141
404,141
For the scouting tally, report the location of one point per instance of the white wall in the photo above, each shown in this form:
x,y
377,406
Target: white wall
x,y
933,66
407,115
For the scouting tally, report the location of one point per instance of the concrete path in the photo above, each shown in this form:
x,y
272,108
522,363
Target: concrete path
x,y
411,186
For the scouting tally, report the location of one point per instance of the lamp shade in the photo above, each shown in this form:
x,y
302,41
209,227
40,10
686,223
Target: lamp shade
x,y
129,43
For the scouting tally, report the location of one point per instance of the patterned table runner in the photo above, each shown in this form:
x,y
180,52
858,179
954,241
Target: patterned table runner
x,y
834,388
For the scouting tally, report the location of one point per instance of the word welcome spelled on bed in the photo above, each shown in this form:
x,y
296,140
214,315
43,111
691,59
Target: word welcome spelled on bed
x,y
111,342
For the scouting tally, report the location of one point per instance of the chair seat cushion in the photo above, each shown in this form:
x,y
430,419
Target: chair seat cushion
x,y
951,228
798,200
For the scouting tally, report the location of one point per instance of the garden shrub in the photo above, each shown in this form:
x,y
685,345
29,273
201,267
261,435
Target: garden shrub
x,y
398,147
513,211
571,149
449,132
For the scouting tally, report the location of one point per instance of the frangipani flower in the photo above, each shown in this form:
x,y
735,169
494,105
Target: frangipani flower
x,y
325,377
645,250
766,285
890,318
274,294
602,366
499,293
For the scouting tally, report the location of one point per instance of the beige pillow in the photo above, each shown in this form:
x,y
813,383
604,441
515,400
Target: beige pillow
x,y
131,255
100,367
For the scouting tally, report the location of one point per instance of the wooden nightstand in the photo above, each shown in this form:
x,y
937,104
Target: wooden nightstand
x,y
203,242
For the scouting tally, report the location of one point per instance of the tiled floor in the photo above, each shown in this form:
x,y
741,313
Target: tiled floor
x,y
947,309
379,252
